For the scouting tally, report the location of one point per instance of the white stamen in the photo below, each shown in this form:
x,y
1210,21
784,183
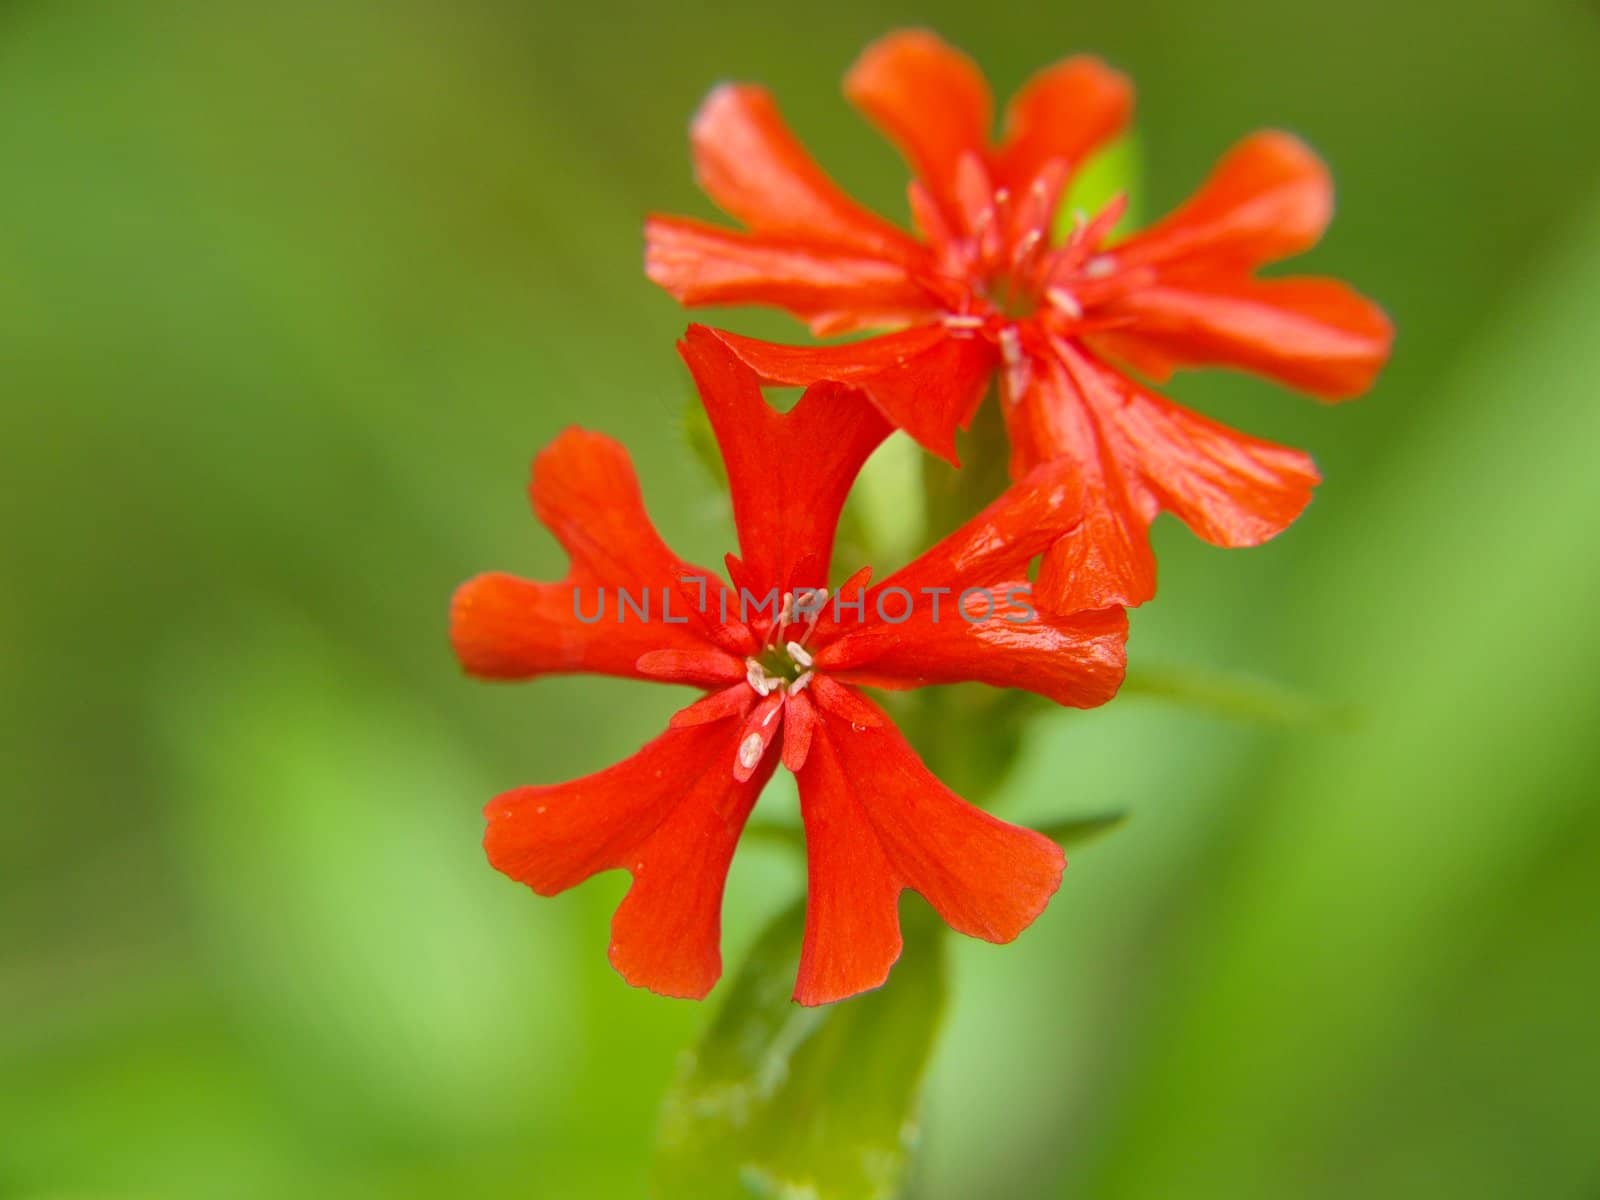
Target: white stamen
x,y
750,751
767,720
757,677
808,604
961,321
1099,266
800,684
821,597
1011,346
1065,301
799,653
1026,244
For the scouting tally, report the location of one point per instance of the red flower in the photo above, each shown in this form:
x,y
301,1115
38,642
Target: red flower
x,y
987,290
780,681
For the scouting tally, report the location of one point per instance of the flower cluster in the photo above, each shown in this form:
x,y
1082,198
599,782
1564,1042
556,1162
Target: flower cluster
x,y
1030,593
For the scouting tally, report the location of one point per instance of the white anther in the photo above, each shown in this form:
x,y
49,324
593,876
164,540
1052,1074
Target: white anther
x,y
812,617
1011,346
750,751
1099,266
800,684
1026,244
799,653
757,677
1065,301
961,321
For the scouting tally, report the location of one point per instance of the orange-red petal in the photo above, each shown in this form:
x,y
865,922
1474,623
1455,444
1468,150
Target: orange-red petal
x,y
585,491
998,637
1229,488
923,380
833,289
878,821
1065,112
1270,197
929,99
788,472
749,162
1002,539
1105,561
1317,335
670,816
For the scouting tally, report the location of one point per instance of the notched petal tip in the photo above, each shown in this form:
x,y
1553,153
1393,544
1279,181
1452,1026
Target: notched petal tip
x,y
813,991
670,980
878,822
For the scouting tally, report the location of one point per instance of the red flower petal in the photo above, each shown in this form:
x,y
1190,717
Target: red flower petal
x,y
923,380
835,290
1106,561
585,491
996,635
718,705
799,723
1002,540
1231,489
705,667
1317,335
877,822
998,638
929,99
845,703
788,472
670,816
1270,197
749,162
1066,112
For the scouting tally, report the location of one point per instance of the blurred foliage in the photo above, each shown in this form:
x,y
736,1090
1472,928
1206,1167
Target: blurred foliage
x,y
779,1100
289,296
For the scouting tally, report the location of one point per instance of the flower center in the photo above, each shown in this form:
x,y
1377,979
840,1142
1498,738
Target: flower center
x,y
1024,275
781,666
778,673
1012,298
783,663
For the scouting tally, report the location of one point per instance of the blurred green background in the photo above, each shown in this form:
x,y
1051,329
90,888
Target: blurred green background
x,y
289,296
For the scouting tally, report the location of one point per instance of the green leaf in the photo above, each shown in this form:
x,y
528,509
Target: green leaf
x,y
805,1103
1236,697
